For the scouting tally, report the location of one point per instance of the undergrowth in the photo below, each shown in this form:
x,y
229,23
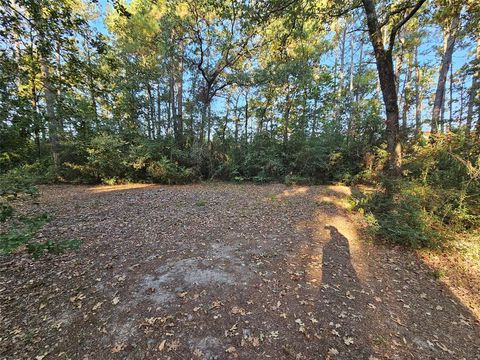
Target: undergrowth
x,y
20,230
436,198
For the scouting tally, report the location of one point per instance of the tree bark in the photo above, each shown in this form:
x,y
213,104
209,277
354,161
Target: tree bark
x,y
173,108
53,124
473,93
179,120
406,97
286,122
449,37
246,117
386,76
151,113
418,95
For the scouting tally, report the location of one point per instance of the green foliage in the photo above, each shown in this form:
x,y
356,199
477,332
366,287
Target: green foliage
x,y
297,180
22,232
16,182
165,171
107,158
6,211
437,198
51,247
399,216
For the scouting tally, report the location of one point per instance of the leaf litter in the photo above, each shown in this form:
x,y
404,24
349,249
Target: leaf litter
x,y
242,277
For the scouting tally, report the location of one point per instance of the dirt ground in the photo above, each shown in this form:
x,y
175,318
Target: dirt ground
x,y
222,271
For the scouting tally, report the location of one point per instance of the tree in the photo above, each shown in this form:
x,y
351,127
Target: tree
x,y
452,19
396,18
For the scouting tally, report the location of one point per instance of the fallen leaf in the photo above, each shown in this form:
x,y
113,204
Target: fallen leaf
x,y
117,348
198,353
333,351
161,346
231,350
97,305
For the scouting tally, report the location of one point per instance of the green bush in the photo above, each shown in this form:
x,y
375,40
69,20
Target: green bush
x,y
297,180
107,158
165,171
22,232
15,184
400,216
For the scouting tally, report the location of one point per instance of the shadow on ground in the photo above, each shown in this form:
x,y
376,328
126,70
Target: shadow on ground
x,y
223,271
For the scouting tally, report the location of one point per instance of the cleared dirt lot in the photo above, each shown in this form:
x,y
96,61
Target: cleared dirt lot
x,y
223,271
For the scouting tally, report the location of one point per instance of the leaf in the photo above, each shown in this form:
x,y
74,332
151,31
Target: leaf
x,y
117,348
97,305
161,346
174,345
333,351
115,300
348,340
198,353
231,350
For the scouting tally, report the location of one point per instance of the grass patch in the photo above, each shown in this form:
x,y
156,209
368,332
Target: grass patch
x,y
18,235
39,249
439,273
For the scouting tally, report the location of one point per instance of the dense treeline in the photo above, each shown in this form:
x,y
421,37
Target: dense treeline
x,y
174,91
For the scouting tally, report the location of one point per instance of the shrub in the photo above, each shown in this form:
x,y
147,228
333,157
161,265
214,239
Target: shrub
x,y
399,217
107,158
15,184
165,171
297,180
21,232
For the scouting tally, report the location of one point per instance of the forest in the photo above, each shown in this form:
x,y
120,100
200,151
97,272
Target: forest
x,y
223,101
299,92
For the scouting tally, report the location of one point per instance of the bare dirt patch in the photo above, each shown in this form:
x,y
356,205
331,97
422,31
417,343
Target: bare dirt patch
x,y
223,271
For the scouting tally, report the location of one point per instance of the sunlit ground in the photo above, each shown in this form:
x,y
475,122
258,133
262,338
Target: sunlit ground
x,y
334,202
459,269
109,188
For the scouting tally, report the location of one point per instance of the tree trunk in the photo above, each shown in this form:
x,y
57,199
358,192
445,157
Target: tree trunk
x,y
246,117
91,85
418,95
173,108
406,97
286,118
237,120
151,113
159,111
473,93
350,93
53,124
179,138
449,38
342,61
225,122
209,121
450,102
386,76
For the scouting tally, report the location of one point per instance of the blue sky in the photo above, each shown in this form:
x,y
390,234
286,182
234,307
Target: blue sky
x,y
428,53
